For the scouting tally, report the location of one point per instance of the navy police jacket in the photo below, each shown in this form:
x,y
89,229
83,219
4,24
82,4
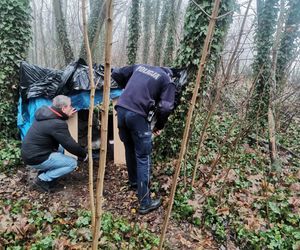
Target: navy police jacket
x,y
146,87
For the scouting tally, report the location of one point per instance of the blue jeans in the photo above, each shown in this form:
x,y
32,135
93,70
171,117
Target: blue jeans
x,y
135,133
56,165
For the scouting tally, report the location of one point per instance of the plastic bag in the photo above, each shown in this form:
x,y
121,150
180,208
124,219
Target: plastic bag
x,y
81,79
36,81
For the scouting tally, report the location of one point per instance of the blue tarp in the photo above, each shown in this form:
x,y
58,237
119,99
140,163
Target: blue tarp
x,y
81,100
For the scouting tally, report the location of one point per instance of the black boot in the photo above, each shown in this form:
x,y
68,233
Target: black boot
x,y
42,186
154,204
132,186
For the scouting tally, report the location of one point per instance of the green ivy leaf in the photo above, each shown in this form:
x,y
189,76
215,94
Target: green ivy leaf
x,y
273,206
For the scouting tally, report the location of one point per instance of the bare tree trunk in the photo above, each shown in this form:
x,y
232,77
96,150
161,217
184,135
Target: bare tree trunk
x,y
62,32
170,41
160,37
124,39
272,133
104,123
44,46
208,38
147,10
271,109
91,111
99,50
35,46
51,24
95,23
98,31
177,28
156,19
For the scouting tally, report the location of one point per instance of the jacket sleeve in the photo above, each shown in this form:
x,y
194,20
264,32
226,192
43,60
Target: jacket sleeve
x,y
62,135
165,105
122,75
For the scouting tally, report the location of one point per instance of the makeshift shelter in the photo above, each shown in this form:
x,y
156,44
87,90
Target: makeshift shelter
x,y
38,86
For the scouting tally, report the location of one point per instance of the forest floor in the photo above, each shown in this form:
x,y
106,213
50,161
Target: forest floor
x,y
246,203
60,220
74,196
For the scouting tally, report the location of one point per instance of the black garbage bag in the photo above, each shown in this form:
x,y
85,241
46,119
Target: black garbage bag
x,y
180,80
67,76
37,81
81,80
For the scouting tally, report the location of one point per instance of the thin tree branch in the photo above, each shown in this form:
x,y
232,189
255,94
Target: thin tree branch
x,y
104,123
91,111
226,14
201,9
218,17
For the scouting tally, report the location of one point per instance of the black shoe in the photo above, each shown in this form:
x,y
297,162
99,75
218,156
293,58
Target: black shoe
x,y
42,186
56,185
133,186
40,172
154,204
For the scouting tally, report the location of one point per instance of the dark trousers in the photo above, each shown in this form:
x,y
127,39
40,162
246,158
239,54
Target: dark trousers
x,y
135,133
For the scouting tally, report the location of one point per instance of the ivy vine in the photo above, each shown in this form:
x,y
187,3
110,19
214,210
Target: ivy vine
x,y
134,31
188,56
262,63
15,35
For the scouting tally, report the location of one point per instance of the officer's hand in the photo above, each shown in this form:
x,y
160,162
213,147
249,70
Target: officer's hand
x,y
156,132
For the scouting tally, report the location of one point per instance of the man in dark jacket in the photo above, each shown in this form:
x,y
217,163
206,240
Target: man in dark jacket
x,y
147,88
42,147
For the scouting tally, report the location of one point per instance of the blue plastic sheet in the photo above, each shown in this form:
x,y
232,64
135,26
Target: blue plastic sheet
x,y
81,100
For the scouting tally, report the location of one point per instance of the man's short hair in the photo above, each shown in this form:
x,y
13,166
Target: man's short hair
x,y
61,101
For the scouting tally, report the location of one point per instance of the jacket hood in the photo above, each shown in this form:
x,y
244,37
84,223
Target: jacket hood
x,y
48,113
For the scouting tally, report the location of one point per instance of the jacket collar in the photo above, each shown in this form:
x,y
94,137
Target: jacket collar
x,y
58,112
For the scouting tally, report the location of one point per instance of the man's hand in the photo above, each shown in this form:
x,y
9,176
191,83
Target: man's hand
x,y
68,110
156,132
85,159
72,111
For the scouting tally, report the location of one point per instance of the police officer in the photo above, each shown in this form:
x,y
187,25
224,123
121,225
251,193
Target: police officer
x,y
146,89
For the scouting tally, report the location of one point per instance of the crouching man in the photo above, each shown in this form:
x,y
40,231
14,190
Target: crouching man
x,y
42,147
